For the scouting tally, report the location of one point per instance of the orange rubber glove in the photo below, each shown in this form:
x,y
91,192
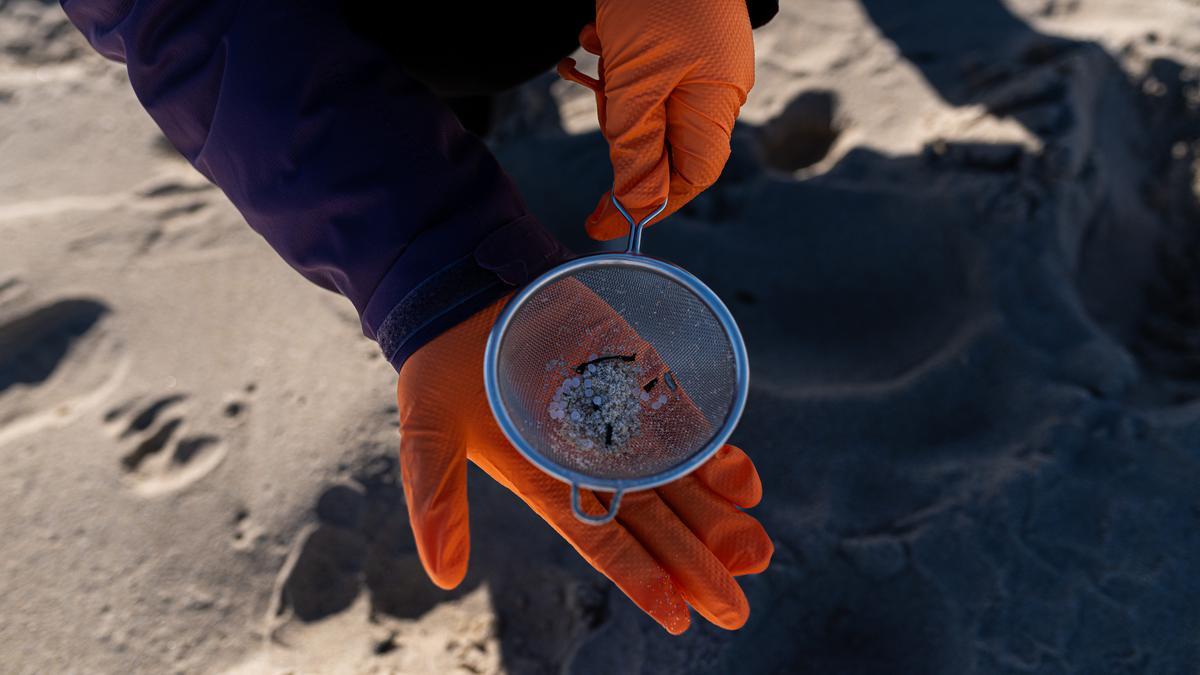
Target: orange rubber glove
x,y
678,545
673,75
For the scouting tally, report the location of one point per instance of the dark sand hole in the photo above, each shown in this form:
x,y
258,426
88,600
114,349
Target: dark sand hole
x,y
146,417
802,133
33,346
188,448
386,645
173,187
151,445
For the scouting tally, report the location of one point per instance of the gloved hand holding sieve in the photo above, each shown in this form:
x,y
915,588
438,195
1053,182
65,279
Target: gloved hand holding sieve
x,y
616,372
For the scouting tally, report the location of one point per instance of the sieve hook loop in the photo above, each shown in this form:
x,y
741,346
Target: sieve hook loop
x,y
594,520
635,228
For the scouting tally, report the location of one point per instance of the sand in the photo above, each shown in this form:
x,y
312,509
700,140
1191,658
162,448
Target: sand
x,y
961,240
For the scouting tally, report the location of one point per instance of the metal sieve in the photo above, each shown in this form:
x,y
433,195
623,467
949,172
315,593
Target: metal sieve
x,y
616,372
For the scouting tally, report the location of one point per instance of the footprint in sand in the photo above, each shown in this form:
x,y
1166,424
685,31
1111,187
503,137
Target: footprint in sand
x,y
56,360
361,543
34,345
161,455
169,212
802,133
171,197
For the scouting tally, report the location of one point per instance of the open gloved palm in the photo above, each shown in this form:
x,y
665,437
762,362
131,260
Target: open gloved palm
x,y
677,545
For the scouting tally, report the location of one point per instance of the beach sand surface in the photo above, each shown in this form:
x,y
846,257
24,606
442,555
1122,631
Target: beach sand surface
x,y
962,240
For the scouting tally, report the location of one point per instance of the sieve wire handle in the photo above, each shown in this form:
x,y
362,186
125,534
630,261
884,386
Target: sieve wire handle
x,y
635,228
594,520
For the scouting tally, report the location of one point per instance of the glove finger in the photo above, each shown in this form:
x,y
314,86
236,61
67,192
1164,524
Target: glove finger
x,y
735,537
701,577
589,39
610,548
433,470
634,123
700,119
605,223
731,474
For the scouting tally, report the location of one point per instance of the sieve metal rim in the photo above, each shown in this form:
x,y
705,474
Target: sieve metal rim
x,y
617,485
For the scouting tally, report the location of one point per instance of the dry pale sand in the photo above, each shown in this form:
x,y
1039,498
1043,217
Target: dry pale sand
x,y
961,239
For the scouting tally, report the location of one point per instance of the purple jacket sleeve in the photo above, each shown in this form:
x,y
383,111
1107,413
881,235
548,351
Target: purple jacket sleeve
x,y
360,178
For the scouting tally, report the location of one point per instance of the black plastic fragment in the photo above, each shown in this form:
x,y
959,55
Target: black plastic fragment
x,y
628,358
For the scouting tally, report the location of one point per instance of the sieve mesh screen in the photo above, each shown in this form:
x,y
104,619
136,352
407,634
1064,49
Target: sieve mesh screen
x,y
662,377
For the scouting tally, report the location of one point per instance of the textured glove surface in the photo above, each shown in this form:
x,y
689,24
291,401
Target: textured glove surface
x,y
673,76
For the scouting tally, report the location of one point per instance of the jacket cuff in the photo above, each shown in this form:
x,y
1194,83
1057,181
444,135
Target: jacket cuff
x,y
511,256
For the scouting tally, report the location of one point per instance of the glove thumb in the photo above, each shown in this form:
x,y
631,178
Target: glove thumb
x,y
433,469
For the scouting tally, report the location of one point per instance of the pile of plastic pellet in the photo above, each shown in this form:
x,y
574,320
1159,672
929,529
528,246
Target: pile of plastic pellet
x,y
600,407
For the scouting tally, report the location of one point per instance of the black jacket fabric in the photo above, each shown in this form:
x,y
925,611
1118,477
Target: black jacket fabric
x,y
439,43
